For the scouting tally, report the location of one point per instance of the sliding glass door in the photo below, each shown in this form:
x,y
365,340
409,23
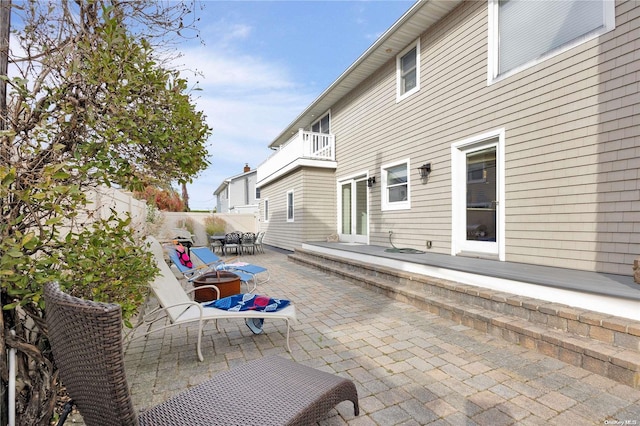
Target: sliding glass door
x,y
354,211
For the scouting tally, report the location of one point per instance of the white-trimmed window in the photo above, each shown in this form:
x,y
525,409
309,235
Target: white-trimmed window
x,y
523,33
408,71
266,210
290,206
395,186
323,124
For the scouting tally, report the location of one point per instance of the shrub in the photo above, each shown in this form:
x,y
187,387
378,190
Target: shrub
x,y
189,226
214,225
163,199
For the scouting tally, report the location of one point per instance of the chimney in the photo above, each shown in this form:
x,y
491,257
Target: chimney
x,y
246,167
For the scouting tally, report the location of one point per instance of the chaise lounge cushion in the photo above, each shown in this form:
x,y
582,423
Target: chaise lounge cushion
x,y
263,392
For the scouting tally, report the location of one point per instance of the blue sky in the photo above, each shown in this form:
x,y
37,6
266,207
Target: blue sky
x,y
261,63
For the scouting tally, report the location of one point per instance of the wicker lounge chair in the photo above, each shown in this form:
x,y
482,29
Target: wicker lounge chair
x,y
175,302
86,340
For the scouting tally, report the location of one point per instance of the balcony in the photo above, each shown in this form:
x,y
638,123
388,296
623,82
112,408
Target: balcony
x,y
304,149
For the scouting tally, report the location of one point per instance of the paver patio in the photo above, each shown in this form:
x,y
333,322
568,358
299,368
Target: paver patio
x,y
410,367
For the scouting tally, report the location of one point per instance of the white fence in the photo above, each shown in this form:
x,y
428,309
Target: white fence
x,y
168,225
173,225
103,200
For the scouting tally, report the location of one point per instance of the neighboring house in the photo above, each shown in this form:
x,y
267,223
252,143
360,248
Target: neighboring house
x,y
237,194
502,130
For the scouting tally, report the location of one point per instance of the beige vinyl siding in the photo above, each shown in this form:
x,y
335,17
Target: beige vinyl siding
x,y
319,203
314,208
581,205
279,232
572,128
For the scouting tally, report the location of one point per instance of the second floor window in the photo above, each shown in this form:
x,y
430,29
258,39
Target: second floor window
x,y
408,71
523,33
323,125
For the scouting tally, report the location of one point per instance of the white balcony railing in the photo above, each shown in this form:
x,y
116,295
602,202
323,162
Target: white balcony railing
x,y
302,146
317,145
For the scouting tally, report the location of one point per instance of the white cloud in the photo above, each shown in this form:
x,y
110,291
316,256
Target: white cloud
x,y
226,71
224,33
237,31
248,100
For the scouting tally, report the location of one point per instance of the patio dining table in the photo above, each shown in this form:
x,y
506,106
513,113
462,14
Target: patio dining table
x,y
217,241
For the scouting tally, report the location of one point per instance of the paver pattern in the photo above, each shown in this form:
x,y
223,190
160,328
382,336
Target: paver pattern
x,y
410,367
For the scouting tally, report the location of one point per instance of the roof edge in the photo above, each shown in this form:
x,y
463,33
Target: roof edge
x,y
285,134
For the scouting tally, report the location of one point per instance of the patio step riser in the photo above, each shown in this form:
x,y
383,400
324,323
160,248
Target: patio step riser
x,y
608,329
606,345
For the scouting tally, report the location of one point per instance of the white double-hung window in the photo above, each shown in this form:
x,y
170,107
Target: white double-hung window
x,y
524,32
395,186
408,71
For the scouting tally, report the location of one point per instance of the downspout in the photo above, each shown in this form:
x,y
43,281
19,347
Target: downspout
x,y
246,191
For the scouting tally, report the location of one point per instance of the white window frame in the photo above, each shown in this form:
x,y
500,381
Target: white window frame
x,y
290,206
327,114
493,40
399,95
459,179
265,213
353,236
387,205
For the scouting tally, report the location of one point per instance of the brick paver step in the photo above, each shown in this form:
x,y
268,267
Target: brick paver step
x,y
605,345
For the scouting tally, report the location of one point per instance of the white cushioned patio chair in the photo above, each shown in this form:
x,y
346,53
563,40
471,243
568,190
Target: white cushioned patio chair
x,y
179,308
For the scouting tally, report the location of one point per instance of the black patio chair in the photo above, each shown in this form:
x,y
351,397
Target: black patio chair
x,y
232,241
249,242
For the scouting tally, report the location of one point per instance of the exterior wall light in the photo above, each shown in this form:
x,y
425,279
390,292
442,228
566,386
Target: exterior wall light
x,y
371,181
424,170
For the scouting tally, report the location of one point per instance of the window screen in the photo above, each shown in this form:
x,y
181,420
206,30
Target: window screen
x,y
409,71
397,183
531,29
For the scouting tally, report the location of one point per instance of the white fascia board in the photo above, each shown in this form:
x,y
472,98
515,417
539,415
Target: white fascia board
x,y
300,162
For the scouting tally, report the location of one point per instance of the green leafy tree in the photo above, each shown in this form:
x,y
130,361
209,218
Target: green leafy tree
x,y
90,105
